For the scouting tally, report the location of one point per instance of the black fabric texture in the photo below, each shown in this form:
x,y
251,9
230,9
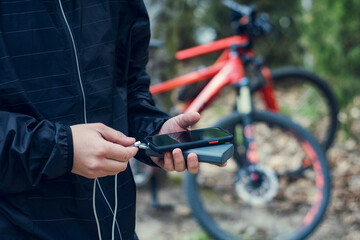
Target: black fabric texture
x,y
42,94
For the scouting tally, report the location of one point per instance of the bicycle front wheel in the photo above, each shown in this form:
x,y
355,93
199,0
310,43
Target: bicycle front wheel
x,y
229,205
308,100
141,172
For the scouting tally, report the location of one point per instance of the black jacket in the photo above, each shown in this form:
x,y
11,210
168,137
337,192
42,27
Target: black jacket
x,y
65,62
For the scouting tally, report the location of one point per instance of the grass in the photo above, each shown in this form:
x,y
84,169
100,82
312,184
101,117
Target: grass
x,y
200,236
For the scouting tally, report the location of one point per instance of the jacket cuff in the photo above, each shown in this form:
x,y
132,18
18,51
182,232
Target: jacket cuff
x,y
64,149
70,149
141,153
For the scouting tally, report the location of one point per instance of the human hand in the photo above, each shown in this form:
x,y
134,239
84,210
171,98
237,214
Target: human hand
x,y
100,151
174,161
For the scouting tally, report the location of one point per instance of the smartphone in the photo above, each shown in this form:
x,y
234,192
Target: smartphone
x,y
188,139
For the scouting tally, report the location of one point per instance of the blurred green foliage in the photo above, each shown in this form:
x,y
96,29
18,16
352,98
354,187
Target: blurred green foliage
x,y
331,35
278,48
322,36
181,24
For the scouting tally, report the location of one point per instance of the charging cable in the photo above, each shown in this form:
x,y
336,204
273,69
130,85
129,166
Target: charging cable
x,y
113,212
140,145
94,210
115,209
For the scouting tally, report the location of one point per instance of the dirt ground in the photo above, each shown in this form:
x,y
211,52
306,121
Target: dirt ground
x,y
343,216
342,220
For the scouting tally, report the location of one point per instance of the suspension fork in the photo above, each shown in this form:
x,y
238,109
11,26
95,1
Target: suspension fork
x,y
245,107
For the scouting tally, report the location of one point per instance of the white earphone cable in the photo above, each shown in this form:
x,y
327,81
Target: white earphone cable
x,y
113,212
94,210
107,202
115,209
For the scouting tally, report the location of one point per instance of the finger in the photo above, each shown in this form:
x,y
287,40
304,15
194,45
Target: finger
x,y
105,167
192,163
168,162
187,119
158,161
179,161
119,152
223,165
112,167
114,136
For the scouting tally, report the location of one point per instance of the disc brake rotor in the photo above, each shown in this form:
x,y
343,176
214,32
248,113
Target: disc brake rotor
x,y
256,184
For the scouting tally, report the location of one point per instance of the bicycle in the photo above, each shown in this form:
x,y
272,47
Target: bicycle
x,y
295,92
254,180
292,91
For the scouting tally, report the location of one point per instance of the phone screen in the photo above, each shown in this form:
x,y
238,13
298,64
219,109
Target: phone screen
x,y
187,138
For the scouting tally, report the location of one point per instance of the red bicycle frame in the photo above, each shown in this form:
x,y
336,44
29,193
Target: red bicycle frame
x,y
227,69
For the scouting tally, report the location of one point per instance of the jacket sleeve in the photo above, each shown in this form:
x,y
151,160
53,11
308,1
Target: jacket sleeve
x,y
144,118
30,151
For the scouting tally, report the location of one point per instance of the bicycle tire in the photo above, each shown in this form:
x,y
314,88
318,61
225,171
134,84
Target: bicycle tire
x,y
212,225
312,97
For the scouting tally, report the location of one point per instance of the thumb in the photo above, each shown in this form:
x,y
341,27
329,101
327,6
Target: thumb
x,y
187,119
114,136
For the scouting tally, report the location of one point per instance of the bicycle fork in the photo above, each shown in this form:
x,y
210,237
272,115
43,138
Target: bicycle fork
x,y
254,183
244,106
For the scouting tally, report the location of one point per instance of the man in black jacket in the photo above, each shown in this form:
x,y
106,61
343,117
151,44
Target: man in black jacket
x,y
73,86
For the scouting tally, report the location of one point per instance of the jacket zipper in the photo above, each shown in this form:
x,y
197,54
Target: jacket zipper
x,y
77,61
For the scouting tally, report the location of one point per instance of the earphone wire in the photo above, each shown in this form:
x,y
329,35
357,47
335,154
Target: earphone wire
x,y
115,209
107,202
113,212
94,210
